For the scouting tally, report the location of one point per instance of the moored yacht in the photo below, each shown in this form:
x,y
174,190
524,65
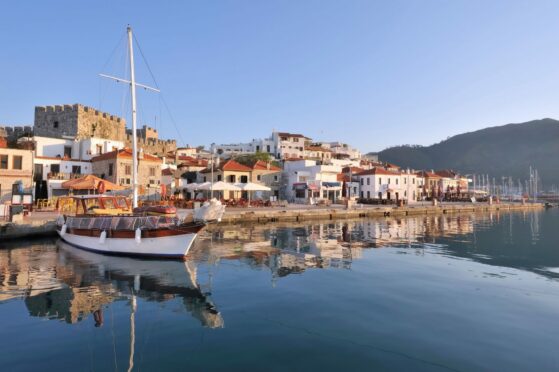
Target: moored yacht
x,y
105,224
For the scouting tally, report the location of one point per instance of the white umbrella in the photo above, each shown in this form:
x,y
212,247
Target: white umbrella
x,y
224,186
193,186
251,186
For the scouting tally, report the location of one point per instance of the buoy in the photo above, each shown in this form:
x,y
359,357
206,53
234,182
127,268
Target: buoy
x,y
138,236
102,237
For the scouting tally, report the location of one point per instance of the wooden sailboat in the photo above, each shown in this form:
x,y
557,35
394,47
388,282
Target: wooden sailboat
x,y
124,233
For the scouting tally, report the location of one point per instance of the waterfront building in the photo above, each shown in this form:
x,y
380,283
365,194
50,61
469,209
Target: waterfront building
x,y
267,174
306,180
16,165
388,184
229,171
431,185
116,166
452,182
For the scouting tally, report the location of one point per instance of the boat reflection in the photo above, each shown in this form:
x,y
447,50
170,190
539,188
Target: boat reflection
x,y
70,284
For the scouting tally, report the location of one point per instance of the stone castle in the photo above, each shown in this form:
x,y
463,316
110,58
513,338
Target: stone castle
x,y
79,121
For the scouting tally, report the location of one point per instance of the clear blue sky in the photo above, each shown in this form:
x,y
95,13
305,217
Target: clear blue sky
x,y
370,73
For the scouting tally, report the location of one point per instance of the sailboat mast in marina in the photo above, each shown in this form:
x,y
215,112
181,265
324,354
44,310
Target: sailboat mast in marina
x,y
108,224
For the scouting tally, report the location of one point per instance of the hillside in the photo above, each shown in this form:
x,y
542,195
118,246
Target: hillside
x,y
506,150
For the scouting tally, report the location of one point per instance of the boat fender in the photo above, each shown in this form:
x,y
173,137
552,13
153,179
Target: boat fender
x,y
102,237
138,236
60,220
63,230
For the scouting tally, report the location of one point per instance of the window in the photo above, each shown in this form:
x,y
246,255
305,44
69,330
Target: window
x,y
259,177
405,181
362,180
244,179
368,195
396,181
3,161
268,148
413,181
55,124
127,170
299,193
152,171
361,194
111,169
128,181
67,151
275,178
218,177
368,181
380,180
17,162
99,149
76,169
55,168
389,181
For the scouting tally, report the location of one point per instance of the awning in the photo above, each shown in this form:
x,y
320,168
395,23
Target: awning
x,y
300,186
313,187
331,184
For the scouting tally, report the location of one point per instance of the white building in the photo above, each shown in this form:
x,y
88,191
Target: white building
x,y
60,159
280,145
343,150
381,184
306,179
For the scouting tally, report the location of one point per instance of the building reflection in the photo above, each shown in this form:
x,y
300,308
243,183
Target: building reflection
x,y
287,249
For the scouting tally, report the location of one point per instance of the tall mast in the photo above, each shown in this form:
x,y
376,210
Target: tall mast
x,y
133,85
134,134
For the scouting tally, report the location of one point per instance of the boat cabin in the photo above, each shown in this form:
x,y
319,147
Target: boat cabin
x,y
101,205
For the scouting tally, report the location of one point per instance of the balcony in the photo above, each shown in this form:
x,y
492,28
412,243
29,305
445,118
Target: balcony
x,y
63,176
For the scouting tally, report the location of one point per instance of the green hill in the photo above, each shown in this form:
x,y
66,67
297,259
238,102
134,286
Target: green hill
x,y
507,150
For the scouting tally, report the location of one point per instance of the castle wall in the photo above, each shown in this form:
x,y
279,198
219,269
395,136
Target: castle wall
x,y
77,121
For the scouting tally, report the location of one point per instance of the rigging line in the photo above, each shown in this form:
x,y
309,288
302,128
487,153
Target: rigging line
x,y
114,50
145,61
103,93
161,95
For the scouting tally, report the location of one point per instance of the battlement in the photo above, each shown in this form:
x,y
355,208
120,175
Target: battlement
x,y
13,132
77,121
77,107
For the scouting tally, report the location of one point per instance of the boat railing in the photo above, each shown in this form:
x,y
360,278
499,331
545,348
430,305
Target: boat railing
x,y
121,222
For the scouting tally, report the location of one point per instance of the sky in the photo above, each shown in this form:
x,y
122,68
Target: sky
x,y
369,73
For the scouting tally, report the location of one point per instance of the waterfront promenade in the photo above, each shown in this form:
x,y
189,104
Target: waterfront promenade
x,y
44,223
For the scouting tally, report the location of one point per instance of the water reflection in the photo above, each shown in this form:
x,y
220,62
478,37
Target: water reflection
x,y
502,239
58,281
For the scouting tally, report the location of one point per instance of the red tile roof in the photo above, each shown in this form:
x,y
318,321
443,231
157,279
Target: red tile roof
x,y
447,173
285,134
125,153
428,174
354,170
378,171
262,165
230,165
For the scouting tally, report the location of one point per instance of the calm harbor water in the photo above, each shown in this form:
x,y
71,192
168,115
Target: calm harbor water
x,y
433,293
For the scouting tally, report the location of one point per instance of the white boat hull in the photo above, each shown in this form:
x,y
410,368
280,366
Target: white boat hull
x,y
166,246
